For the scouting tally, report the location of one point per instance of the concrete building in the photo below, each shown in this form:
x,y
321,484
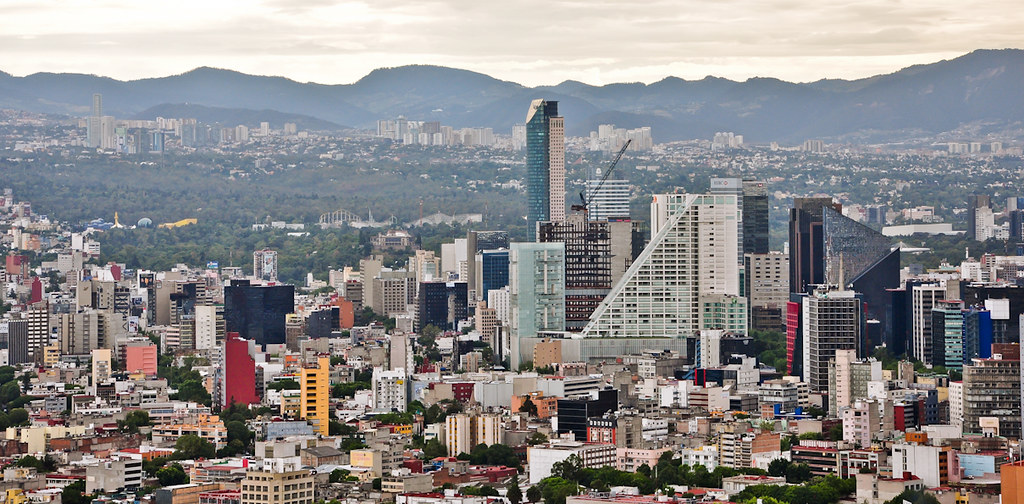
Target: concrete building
x,y
767,289
832,320
389,390
280,485
113,476
992,390
463,431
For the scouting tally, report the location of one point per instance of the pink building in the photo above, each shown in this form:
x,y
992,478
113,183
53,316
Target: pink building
x,y
141,359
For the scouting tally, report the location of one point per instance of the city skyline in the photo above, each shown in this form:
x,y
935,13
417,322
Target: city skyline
x,y
601,43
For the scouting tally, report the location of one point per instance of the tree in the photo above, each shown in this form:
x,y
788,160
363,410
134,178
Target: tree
x,y
189,390
238,431
434,448
568,469
286,384
18,416
172,475
778,467
338,475
191,446
514,494
528,407
9,391
536,438
556,489
75,494
133,420
533,494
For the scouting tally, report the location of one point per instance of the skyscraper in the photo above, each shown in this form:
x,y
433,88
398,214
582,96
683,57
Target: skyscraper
x,y
537,287
755,217
258,313
974,203
608,201
94,129
691,260
807,242
588,264
832,321
545,165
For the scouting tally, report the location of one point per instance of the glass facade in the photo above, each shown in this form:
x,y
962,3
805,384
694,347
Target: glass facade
x,y
257,312
493,270
538,163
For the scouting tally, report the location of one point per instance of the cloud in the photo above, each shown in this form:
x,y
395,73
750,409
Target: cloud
x,y
529,41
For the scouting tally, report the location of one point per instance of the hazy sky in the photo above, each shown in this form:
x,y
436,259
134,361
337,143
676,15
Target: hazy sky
x,y
528,41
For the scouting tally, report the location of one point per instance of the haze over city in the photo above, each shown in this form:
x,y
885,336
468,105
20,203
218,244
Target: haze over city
x,y
529,42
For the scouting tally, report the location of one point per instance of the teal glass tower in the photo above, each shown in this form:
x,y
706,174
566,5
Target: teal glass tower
x,y
545,165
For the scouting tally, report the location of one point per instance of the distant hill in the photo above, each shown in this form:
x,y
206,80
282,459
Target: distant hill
x,y
980,88
235,116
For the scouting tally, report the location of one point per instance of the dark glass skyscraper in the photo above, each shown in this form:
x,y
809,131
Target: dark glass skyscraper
x,y
545,165
755,217
493,271
807,242
258,312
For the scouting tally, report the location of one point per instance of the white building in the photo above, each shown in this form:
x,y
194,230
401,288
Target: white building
x,y
543,457
691,258
464,431
389,390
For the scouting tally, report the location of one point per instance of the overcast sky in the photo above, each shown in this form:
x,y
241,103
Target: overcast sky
x,y
532,42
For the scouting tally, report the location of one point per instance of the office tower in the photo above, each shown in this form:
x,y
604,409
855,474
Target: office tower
x,y
493,271
832,320
976,206
795,334
545,165
807,242
314,405
264,265
537,288
183,311
977,334
94,133
992,389
588,277
755,217
734,188
389,390
607,201
690,260
239,372
256,312
864,260
39,331
923,298
1006,304
17,342
947,332
573,413
441,304
767,289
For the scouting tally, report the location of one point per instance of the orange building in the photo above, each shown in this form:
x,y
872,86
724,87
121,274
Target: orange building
x,y
141,359
1011,477
346,313
546,406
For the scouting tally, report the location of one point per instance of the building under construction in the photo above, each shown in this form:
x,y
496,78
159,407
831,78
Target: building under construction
x,y
597,253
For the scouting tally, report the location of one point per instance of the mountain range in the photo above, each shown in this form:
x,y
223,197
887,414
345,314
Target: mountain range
x,y
978,92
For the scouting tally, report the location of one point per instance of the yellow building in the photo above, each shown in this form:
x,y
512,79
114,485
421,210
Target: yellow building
x,y
51,356
316,395
277,487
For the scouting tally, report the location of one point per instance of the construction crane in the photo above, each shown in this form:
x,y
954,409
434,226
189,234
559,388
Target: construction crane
x,y
584,200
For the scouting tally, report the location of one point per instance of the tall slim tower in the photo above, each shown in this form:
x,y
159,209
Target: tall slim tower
x,y
94,128
545,165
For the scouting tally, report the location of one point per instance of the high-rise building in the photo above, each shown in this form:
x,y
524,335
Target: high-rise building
x,y
102,366
948,334
258,312
537,290
864,260
315,384
767,289
832,320
588,264
691,258
493,271
923,298
264,265
280,485
848,379
210,326
239,372
607,201
441,304
807,242
977,204
755,217
545,165
94,132
992,392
